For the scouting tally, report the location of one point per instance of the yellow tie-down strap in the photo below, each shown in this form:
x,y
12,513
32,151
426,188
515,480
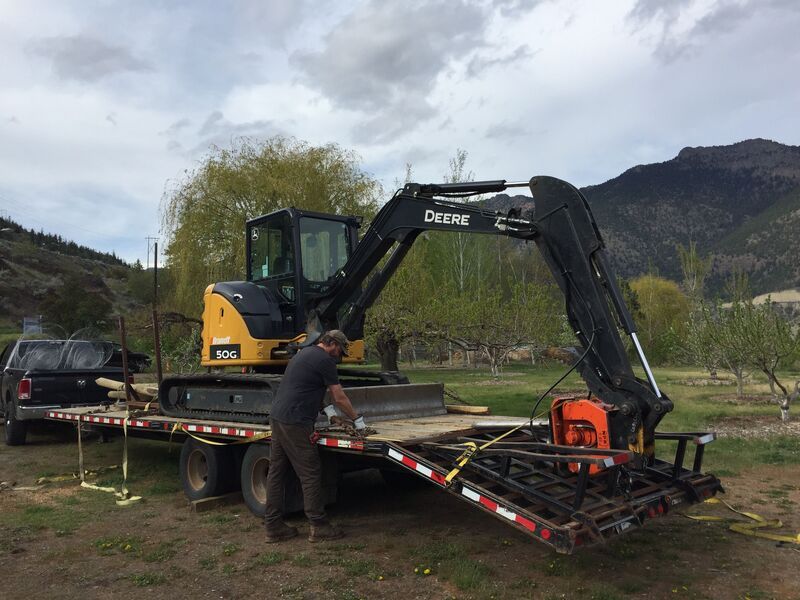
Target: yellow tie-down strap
x,y
752,527
183,429
472,449
124,497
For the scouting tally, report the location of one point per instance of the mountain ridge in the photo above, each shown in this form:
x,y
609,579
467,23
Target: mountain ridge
x,y
739,203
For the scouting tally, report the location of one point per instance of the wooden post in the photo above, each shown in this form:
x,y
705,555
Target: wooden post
x,y
125,371
156,332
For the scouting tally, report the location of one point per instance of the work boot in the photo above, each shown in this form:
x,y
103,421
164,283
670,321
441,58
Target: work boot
x,y
280,531
323,532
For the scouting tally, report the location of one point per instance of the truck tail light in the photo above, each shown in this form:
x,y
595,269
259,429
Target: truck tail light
x,y
24,389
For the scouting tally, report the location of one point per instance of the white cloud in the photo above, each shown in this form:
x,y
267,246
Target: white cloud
x,y
100,107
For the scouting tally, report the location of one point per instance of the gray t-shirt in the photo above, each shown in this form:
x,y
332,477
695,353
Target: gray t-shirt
x,y
300,394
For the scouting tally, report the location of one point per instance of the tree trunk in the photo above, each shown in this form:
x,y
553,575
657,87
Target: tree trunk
x,y
785,410
739,383
388,347
449,353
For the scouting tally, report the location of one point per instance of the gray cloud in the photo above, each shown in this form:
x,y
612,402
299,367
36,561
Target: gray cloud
x,y
219,131
385,57
85,58
516,8
112,118
478,64
505,130
176,127
723,17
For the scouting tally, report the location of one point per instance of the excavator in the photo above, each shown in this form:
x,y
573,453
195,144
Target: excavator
x,y
309,272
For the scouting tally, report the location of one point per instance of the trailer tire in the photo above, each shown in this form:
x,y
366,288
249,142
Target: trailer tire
x,y
255,466
206,470
16,430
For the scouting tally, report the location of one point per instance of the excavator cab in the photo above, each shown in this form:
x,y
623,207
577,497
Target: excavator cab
x,y
292,258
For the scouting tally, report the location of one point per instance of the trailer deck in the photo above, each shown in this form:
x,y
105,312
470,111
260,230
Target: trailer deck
x,y
543,490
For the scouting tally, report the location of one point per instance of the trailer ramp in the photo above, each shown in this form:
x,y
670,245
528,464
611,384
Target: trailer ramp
x,y
529,484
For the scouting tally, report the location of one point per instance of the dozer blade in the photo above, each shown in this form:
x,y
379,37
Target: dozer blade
x,y
387,402
248,398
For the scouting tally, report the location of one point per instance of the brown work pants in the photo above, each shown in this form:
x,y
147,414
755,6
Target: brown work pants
x,y
291,445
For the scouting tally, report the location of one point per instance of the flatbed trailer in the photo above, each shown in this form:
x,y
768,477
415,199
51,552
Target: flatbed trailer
x,y
550,493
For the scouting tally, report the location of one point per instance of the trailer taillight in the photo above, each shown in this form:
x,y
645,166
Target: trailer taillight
x,y
24,389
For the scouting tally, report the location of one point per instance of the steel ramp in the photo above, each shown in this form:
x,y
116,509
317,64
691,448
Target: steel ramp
x,y
529,485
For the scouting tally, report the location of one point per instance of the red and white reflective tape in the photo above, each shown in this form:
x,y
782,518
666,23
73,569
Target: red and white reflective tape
x,y
617,459
419,468
501,510
337,443
216,430
705,439
63,416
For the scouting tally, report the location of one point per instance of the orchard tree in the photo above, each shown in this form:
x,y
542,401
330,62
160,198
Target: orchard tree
x,y
662,315
716,339
770,340
204,214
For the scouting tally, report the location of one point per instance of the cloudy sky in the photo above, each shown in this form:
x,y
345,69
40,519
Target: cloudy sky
x,y
103,104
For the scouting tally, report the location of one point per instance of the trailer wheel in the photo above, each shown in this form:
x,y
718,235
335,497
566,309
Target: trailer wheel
x,y
255,466
206,470
16,430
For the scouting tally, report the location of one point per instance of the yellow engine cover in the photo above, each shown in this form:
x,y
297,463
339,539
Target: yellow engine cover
x,y
226,334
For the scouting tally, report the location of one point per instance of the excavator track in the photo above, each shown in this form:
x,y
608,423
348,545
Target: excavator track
x,y
247,398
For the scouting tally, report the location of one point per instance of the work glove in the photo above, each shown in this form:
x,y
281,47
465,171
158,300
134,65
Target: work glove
x,y
359,423
333,416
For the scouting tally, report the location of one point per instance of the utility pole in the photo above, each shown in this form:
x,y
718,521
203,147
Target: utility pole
x,y
149,245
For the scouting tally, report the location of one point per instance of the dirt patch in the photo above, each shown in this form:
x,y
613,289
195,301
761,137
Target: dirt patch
x,y
756,428
67,542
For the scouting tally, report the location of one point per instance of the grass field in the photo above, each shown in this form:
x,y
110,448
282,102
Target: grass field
x,y
417,543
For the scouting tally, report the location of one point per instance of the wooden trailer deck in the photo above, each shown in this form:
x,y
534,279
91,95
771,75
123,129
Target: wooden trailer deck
x,y
402,431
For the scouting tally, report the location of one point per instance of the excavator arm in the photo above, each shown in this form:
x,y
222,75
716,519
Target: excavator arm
x,y
564,230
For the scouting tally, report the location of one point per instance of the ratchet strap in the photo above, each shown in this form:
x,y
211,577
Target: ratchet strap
x,y
472,449
752,527
124,497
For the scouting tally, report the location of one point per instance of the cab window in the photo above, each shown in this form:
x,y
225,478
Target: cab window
x,y
271,248
323,247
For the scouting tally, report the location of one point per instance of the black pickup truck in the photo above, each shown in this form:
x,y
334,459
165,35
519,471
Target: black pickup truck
x,y
41,375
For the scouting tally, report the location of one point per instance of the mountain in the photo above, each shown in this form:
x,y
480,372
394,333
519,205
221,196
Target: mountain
x,y
38,270
739,203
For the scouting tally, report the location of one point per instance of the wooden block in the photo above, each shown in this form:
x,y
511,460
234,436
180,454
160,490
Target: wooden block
x,y
466,409
213,502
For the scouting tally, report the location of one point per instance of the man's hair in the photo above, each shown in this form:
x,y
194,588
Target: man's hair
x,y
327,340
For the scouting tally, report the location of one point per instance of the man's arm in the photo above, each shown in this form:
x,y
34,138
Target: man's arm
x,y
341,400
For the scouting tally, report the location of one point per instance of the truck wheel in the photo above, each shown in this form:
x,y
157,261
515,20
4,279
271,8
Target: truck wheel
x,y
255,466
16,430
206,470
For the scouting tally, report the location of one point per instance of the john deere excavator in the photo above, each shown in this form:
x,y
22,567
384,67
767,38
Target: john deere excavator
x,y
308,272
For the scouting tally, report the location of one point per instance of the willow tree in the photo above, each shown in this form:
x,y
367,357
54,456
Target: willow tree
x,y
204,214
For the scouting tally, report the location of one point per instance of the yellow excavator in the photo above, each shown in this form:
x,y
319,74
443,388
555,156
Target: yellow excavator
x,y
308,272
